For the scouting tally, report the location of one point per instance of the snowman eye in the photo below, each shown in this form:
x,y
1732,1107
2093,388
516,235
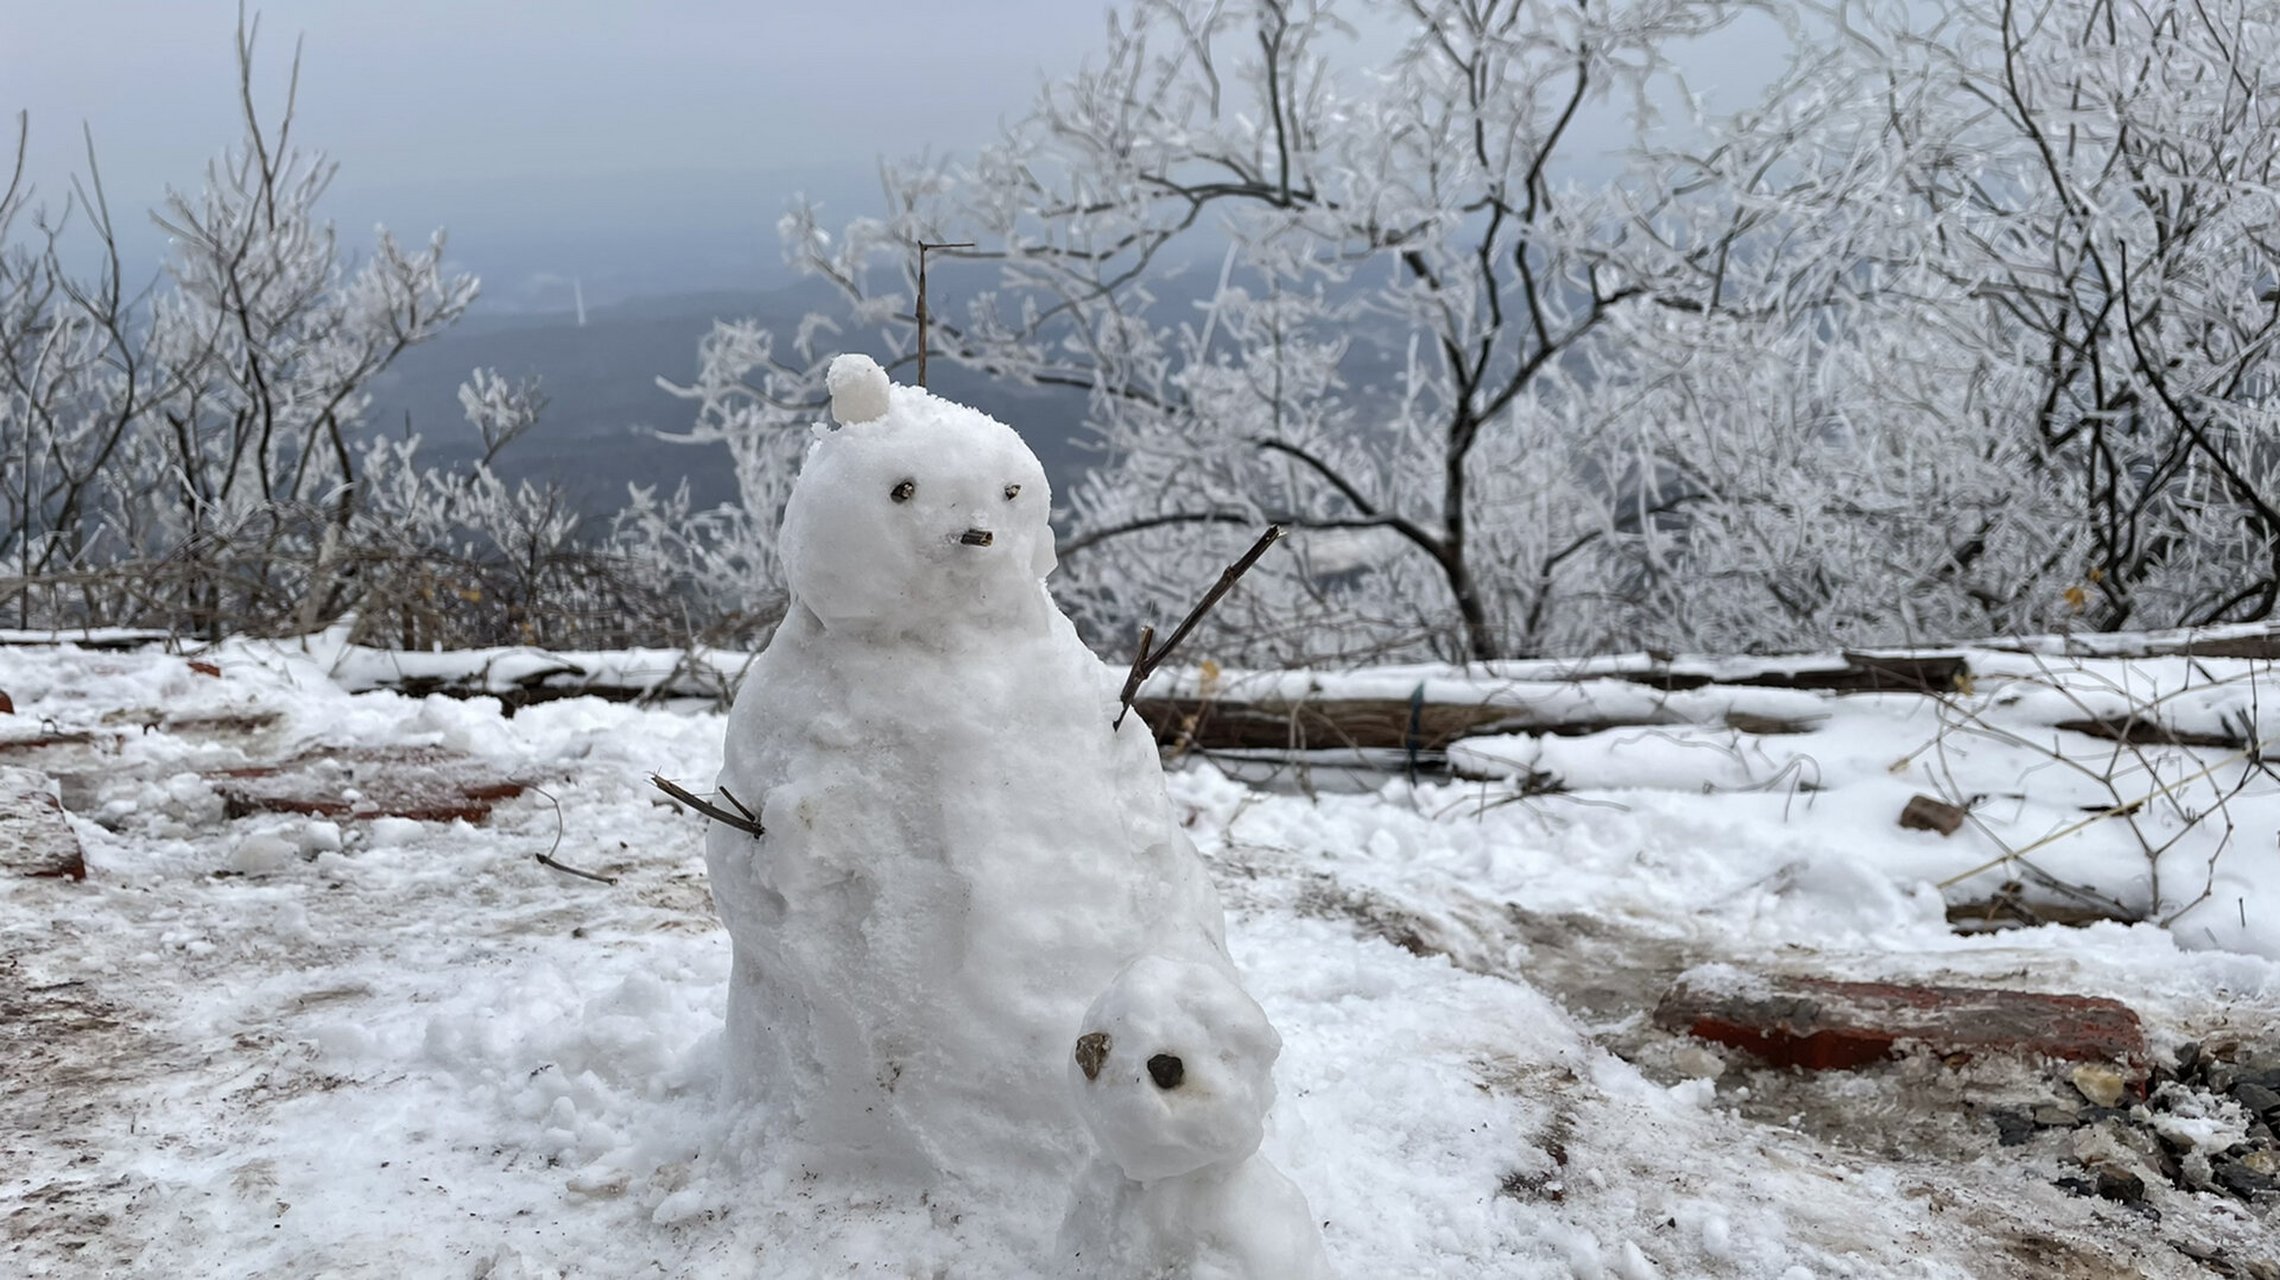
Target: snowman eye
x,y
1167,1071
903,492
1012,491
1092,1051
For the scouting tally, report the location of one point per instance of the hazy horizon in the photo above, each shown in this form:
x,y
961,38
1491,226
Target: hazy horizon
x,y
636,156
639,150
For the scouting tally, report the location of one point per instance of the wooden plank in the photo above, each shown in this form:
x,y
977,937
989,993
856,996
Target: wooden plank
x,y
429,784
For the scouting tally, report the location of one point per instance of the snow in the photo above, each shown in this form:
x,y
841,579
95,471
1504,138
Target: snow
x,y
960,848
2197,1122
1180,1069
858,389
423,1053
1174,1074
2049,804
86,637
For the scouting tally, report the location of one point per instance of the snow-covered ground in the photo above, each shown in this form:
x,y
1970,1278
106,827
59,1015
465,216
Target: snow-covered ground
x,y
281,1045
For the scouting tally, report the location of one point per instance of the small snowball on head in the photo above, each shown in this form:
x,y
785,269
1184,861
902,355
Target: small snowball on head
x,y
858,389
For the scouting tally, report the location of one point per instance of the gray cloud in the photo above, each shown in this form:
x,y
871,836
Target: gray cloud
x,y
639,145
564,120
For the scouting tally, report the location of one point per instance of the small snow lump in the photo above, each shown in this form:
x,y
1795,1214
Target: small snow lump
x,y
1174,1073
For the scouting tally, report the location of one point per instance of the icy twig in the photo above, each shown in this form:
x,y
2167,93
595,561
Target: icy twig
x,y
925,248
2065,831
741,807
1144,663
744,820
2141,723
547,858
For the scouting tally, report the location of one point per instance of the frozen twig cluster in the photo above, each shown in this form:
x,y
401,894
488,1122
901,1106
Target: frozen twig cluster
x,y
2172,790
193,455
1963,327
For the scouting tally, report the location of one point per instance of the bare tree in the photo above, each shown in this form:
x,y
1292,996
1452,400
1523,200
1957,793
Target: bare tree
x,y
2075,223
759,402
1411,277
202,429
1965,327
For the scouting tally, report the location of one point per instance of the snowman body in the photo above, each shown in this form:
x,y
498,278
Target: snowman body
x,y
1173,1073
958,850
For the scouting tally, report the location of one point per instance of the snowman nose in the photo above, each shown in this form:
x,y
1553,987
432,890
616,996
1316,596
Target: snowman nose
x,y
976,537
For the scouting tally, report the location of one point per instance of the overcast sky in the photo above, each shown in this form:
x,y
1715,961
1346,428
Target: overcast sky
x,y
545,132
643,146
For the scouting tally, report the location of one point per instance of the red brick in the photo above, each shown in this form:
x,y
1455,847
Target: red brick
x,y
1819,1024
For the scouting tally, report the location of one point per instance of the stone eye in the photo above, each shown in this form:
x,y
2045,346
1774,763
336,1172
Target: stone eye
x,y
1167,1071
1012,491
904,491
1092,1051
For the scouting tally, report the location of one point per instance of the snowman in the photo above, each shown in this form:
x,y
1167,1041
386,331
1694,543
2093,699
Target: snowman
x,y
1173,1073
959,850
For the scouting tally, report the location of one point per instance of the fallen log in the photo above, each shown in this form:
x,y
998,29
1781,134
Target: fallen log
x,y
528,691
1385,723
105,639
1854,673
2137,732
1418,725
2254,641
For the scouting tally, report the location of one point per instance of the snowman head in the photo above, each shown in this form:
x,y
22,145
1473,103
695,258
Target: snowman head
x,y
914,510
1174,1069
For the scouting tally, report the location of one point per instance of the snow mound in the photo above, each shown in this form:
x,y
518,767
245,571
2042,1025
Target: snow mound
x,y
1174,1074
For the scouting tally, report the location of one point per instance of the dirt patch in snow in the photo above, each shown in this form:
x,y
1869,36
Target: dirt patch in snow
x,y
1926,1121
66,1050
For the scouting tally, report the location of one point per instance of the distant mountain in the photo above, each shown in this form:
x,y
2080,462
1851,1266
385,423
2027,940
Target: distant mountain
x,y
604,404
